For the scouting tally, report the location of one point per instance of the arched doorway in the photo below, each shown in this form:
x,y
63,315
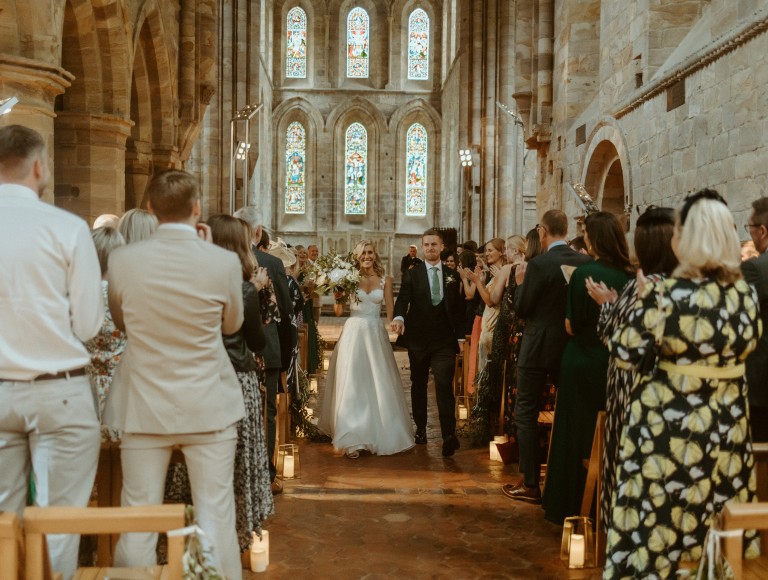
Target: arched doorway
x,y
604,179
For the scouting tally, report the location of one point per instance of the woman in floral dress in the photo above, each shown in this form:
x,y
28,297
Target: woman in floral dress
x,y
685,449
106,347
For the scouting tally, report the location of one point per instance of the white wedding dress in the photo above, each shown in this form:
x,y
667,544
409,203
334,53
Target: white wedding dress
x,y
363,406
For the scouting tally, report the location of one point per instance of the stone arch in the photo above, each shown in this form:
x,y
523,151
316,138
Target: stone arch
x,y
605,172
401,12
153,85
90,128
362,111
313,43
416,111
378,44
296,109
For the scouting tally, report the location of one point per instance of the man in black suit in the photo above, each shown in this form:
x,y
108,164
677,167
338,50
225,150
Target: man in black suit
x,y
429,319
540,299
410,260
277,333
756,273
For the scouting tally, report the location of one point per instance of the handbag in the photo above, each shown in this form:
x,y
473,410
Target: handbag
x,y
649,362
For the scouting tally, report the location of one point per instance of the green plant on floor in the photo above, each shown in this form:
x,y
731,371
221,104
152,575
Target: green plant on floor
x,y
197,561
300,420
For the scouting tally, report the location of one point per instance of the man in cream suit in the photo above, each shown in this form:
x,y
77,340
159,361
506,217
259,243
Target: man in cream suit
x,y
174,295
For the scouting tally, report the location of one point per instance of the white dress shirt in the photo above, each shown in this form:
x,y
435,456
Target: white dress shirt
x,y
50,287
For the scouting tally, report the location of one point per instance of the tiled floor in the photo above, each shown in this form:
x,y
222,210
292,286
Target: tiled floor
x,y
412,515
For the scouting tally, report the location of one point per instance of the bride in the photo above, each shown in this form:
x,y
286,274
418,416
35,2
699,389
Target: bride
x,y
363,406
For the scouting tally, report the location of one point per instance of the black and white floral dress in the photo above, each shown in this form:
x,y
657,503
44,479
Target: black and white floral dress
x,y
685,449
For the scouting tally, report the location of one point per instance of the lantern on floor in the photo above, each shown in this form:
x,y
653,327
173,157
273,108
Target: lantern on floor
x,y
462,408
313,384
493,451
577,548
326,362
288,466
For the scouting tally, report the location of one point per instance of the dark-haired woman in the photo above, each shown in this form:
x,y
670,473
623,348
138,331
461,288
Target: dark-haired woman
x,y
685,449
653,248
581,392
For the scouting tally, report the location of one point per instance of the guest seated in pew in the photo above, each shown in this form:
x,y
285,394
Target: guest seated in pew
x,y
685,449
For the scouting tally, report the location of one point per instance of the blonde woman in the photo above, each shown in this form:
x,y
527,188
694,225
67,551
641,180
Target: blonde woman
x,y
685,448
137,225
363,407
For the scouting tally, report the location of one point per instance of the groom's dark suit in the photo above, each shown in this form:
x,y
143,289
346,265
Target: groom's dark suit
x,y
541,301
431,337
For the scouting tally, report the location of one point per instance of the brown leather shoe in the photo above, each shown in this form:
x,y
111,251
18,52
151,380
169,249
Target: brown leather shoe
x,y
277,487
522,492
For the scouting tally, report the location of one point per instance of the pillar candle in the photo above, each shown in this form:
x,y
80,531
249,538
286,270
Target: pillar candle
x,y
576,555
288,467
462,412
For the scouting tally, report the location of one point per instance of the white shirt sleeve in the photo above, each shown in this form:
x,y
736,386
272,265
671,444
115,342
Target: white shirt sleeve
x,y
84,286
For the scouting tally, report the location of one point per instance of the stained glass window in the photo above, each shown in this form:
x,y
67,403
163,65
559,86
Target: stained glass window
x,y
295,168
356,168
296,45
416,170
357,43
418,45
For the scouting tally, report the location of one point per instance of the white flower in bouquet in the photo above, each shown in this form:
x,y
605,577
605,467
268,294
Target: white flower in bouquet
x,y
338,275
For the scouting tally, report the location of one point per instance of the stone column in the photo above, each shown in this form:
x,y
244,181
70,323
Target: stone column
x,y
509,206
546,32
36,85
90,163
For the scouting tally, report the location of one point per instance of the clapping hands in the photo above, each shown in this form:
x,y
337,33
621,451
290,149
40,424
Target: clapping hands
x,y
600,293
260,278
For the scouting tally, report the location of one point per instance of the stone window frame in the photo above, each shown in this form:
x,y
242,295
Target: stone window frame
x,y
416,112
378,49
281,48
297,110
400,46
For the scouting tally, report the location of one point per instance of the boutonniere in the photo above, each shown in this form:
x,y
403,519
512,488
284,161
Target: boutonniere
x,y
450,279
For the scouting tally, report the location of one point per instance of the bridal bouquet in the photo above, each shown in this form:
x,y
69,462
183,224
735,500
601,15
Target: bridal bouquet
x,y
337,274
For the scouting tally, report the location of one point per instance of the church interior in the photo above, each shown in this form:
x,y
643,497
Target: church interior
x,y
343,120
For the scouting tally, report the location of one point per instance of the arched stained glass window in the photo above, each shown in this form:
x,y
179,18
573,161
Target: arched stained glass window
x,y
356,169
295,168
416,170
296,44
358,34
418,45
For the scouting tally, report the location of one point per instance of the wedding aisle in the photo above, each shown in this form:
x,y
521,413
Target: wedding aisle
x,y
413,515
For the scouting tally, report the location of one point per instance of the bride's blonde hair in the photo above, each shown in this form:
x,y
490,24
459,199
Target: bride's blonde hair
x,y
358,252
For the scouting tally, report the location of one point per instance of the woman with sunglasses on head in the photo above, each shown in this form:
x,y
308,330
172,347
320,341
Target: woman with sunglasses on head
x,y
685,448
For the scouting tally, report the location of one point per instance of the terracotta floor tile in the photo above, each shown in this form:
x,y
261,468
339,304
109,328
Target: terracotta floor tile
x,y
413,515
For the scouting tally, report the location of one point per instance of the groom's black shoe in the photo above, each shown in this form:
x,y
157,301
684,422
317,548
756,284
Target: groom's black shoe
x,y
421,436
450,445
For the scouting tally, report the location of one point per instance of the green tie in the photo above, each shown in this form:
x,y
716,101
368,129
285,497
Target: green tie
x,y
435,287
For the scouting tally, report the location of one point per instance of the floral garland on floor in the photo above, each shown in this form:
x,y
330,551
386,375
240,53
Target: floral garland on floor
x,y
300,420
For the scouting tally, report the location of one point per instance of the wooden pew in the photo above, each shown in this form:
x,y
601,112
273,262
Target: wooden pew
x,y
11,547
746,516
760,451
71,520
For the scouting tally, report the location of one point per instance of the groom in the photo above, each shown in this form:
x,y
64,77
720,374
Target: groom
x,y
429,315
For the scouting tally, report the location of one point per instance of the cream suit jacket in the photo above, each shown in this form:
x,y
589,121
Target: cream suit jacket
x,y
174,294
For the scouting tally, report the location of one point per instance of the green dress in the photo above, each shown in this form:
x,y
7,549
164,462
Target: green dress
x,y
580,394
685,449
